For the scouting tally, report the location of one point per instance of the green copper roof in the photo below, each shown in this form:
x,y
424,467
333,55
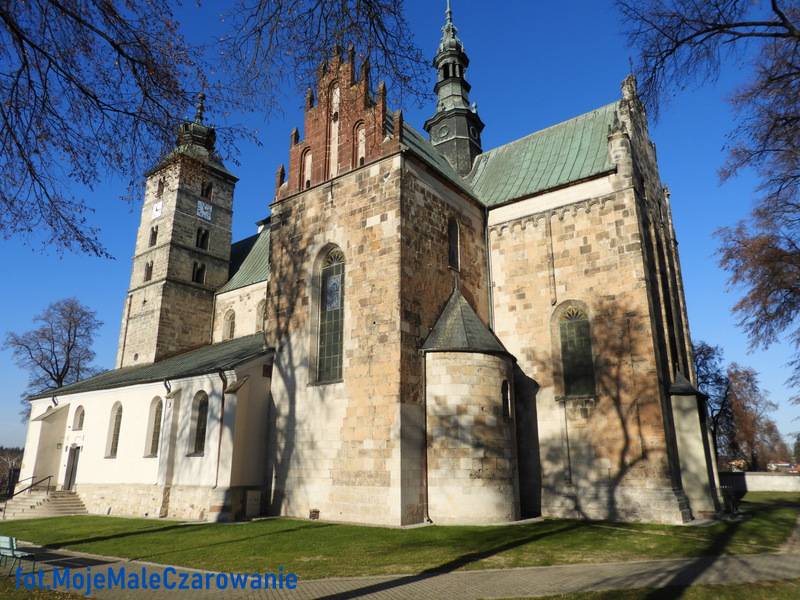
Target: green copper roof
x,y
460,329
207,359
249,261
561,154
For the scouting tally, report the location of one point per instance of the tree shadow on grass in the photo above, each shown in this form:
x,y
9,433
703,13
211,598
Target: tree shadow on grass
x,y
450,566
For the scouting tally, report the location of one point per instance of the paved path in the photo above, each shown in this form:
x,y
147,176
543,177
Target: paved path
x,y
474,585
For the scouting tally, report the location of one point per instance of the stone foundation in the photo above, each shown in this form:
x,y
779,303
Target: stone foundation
x,y
121,499
624,503
184,503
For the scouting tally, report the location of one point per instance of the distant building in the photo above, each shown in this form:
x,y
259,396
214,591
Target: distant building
x,y
421,329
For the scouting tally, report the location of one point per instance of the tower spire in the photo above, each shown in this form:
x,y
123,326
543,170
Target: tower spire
x,y
200,107
455,128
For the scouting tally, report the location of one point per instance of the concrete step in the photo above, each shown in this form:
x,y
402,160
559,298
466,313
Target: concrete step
x,y
58,503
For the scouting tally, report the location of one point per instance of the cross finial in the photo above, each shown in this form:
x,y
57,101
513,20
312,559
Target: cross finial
x,y
198,115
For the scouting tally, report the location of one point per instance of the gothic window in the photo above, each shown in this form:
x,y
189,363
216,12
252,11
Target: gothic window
x,y
77,420
576,352
360,145
201,239
148,270
160,188
153,236
206,189
306,164
198,273
331,317
453,258
199,423
115,424
260,316
333,139
154,426
229,325
506,400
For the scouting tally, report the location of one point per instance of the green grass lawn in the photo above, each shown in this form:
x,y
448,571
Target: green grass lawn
x,y
313,549
768,590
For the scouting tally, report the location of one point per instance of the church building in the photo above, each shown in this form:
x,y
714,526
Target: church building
x,y
422,329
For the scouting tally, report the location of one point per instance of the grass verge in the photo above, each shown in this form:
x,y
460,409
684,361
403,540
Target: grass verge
x,y
314,550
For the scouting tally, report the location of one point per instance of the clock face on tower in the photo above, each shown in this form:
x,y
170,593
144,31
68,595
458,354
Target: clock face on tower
x,y
203,210
443,131
157,210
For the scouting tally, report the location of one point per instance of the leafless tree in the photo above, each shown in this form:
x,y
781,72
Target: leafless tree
x,y
712,380
91,88
273,42
680,42
59,350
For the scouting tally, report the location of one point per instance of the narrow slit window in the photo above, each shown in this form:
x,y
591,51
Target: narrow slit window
x,y
148,270
153,236
115,429
201,239
453,258
199,273
200,413
229,325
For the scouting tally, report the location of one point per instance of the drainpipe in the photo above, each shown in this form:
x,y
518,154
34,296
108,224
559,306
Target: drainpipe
x,y
425,431
221,416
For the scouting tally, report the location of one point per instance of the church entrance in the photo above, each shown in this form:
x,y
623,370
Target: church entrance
x,y
72,467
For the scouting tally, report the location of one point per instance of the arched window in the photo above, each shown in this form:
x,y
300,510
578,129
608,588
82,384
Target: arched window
x,y
198,273
160,188
360,145
229,325
199,423
576,352
77,420
201,239
306,164
206,190
505,398
333,135
148,270
331,317
154,426
260,315
153,235
114,427
453,251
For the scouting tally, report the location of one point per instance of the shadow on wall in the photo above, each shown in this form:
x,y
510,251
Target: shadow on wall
x,y
288,301
590,448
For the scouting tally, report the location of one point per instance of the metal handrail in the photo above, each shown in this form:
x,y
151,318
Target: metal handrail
x,y
31,486
27,489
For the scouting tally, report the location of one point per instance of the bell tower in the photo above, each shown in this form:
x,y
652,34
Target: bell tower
x,y
455,129
182,249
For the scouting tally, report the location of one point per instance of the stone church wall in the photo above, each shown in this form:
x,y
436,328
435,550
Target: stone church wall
x,y
335,447
472,468
606,456
244,302
427,282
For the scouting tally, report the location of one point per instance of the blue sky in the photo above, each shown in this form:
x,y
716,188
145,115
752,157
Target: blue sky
x,y
533,64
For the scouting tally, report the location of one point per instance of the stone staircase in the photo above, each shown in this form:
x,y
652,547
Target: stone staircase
x,y
38,503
